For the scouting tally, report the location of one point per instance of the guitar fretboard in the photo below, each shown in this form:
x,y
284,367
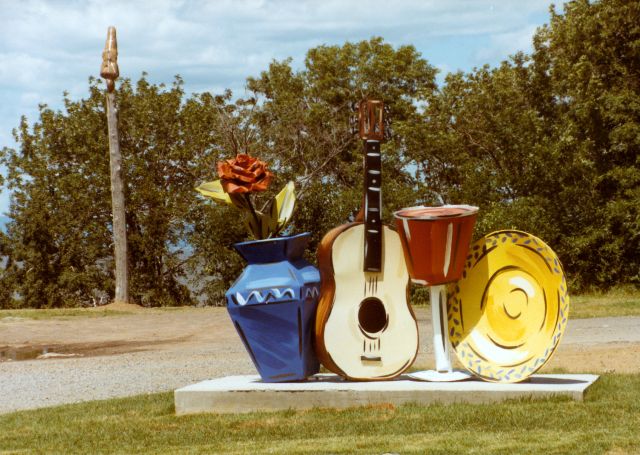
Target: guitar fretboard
x,y
373,207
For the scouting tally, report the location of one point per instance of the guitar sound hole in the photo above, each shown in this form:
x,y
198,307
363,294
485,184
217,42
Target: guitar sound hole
x,y
372,316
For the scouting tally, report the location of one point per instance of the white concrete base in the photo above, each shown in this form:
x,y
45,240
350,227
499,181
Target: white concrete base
x,y
249,393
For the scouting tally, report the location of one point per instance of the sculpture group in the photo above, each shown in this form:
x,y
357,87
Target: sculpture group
x,y
501,303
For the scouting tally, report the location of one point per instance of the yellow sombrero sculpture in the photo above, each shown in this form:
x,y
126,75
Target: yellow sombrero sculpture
x,y
508,312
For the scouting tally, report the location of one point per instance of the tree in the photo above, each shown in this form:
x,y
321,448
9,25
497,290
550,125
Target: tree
x,y
488,145
307,124
590,59
59,240
549,143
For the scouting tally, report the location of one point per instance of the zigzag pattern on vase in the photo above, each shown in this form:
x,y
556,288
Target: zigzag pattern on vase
x,y
274,293
311,293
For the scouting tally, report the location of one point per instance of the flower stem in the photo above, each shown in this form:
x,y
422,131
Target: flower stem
x,y
255,217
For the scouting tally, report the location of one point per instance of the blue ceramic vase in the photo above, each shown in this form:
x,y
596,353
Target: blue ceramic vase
x,y
273,306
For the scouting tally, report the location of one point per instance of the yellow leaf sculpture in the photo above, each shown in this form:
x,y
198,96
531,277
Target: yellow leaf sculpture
x,y
214,190
285,201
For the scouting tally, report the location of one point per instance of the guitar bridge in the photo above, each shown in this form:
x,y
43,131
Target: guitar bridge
x,y
370,358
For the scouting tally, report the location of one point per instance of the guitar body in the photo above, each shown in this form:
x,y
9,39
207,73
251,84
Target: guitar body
x,y
365,328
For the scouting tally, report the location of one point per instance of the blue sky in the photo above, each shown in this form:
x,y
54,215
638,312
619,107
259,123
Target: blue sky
x,y
48,47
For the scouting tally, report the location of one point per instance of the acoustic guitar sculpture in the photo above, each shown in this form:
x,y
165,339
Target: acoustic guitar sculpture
x,y
365,328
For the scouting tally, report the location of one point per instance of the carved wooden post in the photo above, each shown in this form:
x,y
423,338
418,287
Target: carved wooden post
x,y
109,71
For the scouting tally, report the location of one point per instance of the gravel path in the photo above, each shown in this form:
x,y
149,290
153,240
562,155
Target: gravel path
x,y
162,350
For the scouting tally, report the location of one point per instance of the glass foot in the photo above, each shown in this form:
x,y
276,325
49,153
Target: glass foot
x,y
440,376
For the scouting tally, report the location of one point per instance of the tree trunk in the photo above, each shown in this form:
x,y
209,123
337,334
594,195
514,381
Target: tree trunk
x,y
117,204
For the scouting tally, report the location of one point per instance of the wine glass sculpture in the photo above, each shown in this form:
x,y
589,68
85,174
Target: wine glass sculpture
x,y
435,242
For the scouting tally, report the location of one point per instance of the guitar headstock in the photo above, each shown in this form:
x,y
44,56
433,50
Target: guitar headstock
x,y
371,120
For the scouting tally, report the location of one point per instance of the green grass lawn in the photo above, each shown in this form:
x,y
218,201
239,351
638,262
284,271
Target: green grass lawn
x,y
607,421
66,313
59,313
618,302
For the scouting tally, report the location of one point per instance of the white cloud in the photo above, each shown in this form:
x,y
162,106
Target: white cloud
x,y
501,45
31,70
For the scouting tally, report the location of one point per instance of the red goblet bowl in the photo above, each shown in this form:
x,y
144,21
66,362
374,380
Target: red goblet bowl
x,y
435,241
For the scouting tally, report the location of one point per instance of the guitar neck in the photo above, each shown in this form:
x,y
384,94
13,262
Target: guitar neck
x,y
372,206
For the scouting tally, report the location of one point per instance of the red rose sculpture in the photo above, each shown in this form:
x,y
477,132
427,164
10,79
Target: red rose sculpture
x,y
239,179
244,174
